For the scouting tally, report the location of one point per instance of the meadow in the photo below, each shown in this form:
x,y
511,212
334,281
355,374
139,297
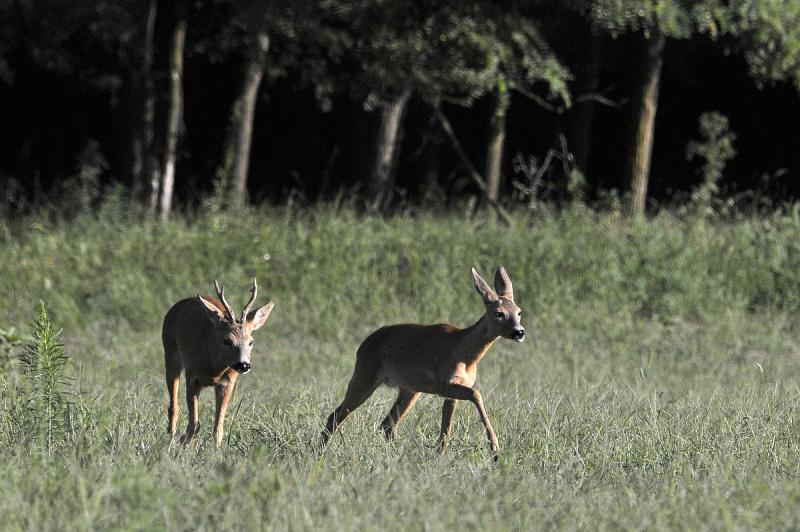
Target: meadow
x,y
658,387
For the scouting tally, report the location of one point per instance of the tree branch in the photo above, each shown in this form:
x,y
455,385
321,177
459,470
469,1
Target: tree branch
x,y
473,173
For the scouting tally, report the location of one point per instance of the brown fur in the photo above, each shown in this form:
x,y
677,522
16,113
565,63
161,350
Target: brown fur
x,y
194,335
437,359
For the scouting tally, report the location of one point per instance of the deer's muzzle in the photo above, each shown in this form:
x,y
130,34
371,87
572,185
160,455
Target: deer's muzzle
x,y
241,367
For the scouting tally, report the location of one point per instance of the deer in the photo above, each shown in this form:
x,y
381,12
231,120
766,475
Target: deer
x,y
437,359
205,340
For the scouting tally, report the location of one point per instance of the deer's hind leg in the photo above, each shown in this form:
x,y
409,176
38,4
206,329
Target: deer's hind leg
x,y
362,384
448,409
173,377
405,400
173,383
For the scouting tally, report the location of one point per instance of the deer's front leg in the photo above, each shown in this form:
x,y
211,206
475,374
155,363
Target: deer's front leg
x,y
224,393
192,395
466,393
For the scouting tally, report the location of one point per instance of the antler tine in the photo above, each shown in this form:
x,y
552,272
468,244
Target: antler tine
x,y
253,294
221,294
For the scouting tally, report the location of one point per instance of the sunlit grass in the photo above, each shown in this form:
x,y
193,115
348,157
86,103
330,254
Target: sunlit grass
x,y
658,389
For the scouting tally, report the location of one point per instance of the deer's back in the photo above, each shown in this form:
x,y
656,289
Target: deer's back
x,y
406,337
187,332
411,355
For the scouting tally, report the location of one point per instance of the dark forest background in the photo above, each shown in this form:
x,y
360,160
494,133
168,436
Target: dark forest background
x,y
399,103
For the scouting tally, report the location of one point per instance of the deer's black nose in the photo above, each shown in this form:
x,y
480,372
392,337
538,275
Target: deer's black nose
x,y
518,335
242,367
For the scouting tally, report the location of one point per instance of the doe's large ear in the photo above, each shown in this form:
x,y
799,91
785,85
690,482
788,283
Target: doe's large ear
x,y
483,288
258,317
212,311
502,283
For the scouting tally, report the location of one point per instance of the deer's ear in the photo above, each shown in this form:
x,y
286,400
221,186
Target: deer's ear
x,y
213,313
258,317
502,283
483,288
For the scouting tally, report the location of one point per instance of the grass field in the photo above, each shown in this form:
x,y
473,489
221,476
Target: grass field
x,y
658,387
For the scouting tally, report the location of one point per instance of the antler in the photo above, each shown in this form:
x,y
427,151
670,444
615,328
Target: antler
x,y
253,293
221,294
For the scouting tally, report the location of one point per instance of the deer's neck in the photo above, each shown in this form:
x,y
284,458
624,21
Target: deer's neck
x,y
476,341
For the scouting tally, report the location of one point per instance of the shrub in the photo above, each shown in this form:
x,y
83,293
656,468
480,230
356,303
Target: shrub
x,y
716,150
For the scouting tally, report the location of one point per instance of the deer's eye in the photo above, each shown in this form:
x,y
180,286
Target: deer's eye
x,y
227,341
499,315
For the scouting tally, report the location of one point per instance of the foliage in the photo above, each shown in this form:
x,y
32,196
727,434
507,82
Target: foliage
x,y
769,33
97,42
225,29
440,52
672,17
715,149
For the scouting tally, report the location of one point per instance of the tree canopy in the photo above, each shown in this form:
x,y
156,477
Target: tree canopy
x,y
356,84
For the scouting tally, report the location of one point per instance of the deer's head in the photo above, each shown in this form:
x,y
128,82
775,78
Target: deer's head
x,y
502,314
234,337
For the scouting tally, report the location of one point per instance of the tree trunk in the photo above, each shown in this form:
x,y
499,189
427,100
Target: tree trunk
x,y
581,116
149,178
645,100
447,128
242,119
497,140
381,183
175,108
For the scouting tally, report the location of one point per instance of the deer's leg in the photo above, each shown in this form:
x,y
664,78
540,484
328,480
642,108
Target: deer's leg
x,y
173,382
224,393
461,392
192,394
362,384
405,400
448,409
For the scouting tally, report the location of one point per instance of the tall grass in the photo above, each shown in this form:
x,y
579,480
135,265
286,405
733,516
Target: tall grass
x,y
658,388
112,267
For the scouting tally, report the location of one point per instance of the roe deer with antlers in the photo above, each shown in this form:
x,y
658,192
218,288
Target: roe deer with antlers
x,y
438,359
203,338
